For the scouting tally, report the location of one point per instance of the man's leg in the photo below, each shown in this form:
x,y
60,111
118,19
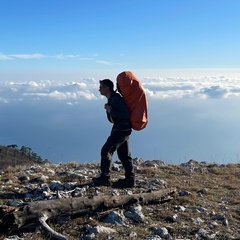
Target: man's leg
x,y
125,157
106,156
117,140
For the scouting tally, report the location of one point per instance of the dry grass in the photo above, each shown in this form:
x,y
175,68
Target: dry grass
x,y
211,187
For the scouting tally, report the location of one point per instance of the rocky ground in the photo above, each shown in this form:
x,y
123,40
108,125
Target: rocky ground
x,y
206,206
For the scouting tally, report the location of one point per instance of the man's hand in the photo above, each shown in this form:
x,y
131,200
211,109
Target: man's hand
x,y
108,108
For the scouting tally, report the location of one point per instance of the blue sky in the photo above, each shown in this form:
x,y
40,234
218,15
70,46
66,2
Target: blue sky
x,y
186,53
116,35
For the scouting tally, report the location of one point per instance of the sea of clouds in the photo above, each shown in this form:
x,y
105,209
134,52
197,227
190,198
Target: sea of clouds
x,y
189,118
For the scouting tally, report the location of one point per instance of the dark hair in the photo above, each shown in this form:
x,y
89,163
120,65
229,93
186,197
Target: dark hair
x,y
107,83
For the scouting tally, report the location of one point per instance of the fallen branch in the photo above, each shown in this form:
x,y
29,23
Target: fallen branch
x,y
41,211
46,227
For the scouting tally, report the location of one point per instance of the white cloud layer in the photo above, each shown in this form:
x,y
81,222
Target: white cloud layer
x,y
86,89
156,88
201,87
194,118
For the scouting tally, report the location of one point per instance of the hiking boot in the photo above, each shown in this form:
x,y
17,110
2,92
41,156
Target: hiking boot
x,y
101,181
124,183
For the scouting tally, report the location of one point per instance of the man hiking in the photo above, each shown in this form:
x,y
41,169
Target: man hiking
x,y
118,115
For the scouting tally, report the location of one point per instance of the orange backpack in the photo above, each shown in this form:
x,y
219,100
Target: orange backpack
x,y
135,97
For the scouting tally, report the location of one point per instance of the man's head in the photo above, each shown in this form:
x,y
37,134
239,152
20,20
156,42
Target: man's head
x,y
106,87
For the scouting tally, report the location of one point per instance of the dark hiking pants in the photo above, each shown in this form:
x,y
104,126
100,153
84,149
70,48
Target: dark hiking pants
x,y
118,140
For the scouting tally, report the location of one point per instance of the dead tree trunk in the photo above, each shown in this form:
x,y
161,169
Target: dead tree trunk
x,y
40,211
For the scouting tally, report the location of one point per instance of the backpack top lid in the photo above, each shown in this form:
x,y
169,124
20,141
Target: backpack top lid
x,y
125,78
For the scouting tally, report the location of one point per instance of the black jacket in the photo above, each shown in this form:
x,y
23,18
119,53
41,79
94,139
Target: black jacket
x,y
119,114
